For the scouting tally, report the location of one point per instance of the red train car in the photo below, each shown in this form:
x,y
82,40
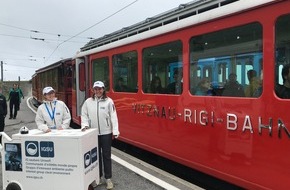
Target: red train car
x,y
194,51
57,75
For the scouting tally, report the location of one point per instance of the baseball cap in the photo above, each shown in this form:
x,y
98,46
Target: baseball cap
x,y
99,84
47,89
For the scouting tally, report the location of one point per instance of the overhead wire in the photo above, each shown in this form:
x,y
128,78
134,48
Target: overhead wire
x,y
40,32
42,39
123,8
69,37
24,66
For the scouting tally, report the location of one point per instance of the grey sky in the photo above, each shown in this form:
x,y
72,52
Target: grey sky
x,y
24,51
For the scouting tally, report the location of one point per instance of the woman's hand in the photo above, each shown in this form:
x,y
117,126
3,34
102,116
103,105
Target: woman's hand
x,y
48,130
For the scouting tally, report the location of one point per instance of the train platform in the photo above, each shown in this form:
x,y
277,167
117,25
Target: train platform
x,y
129,173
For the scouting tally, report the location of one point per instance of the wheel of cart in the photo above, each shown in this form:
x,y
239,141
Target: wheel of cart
x,y
13,186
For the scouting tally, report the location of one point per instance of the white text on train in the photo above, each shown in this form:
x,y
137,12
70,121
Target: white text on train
x,y
205,118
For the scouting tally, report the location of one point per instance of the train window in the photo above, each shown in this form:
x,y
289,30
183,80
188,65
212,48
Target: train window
x,y
52,77
282,45
227,62
82,74
74,77
101,71
68,75
162,68
125,69
60,83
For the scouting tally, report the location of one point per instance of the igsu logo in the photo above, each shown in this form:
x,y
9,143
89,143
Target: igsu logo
x,y
31,148
87,159
42,149
90,157
46,149
94,154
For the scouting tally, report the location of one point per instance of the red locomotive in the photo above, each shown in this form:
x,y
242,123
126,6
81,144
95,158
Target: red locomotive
x,y
170,78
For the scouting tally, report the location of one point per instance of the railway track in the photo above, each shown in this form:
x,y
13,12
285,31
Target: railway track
x,y
192,176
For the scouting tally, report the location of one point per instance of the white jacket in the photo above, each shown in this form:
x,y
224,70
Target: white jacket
x,y
47,118
100,114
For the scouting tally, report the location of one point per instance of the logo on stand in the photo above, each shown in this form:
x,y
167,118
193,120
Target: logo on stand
x,y
46,149
42,149
31,148
94,154
87,159
90,157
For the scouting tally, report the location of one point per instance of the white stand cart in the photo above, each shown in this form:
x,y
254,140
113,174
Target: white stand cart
x,y
61,159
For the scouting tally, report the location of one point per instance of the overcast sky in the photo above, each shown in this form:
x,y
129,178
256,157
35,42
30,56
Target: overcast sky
x,y
37,33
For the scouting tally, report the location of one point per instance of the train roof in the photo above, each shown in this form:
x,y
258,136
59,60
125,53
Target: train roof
x,y
52,66
184,15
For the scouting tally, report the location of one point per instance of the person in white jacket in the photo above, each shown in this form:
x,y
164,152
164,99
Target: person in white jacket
x,y
99,112
52,113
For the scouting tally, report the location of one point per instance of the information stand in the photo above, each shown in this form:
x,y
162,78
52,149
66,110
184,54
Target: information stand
x,y
61,159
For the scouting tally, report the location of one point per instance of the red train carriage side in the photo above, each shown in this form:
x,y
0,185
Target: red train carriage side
x,y
170,78
59,76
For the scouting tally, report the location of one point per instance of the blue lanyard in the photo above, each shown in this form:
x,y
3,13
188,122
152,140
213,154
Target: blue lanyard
x,y
51,115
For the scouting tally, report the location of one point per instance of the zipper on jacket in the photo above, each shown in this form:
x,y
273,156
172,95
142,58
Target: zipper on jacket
x,y
54,113
98,117
107,122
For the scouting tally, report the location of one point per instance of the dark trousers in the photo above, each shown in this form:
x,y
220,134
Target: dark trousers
x,y
105,142
2,125
14,105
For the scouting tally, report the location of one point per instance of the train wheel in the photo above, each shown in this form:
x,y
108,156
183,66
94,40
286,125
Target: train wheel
x,y
90,188
13,186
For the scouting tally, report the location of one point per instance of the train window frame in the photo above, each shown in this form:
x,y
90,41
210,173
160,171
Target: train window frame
x,y
101,71
282,57
125,71
163,64
233,49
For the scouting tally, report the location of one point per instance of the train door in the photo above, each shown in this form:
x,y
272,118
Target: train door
x,y
67,73
80,84
246,63
172,68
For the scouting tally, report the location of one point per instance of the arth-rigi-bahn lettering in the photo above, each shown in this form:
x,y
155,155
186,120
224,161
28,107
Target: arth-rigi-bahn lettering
x,y
206,118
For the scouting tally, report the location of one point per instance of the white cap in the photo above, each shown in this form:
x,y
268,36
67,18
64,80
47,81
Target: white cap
x,y
47,90
99,84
